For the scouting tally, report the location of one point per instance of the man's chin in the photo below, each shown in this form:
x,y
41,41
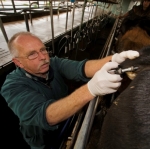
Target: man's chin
x,y
44,71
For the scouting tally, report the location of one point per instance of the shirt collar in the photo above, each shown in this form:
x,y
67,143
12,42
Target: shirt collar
x,y
49,78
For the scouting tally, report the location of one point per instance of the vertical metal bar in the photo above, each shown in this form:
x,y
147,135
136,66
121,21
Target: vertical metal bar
x,y
96,9
26,21
52,26
66,17
89,14
3,30
92,11
80,27
13,5
2,3
72,20
83,10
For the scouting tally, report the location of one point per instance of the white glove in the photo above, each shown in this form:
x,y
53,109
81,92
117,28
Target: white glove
x,y
120,57
103,82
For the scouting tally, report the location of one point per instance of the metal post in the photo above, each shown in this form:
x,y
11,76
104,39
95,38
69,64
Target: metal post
x,y
3,30
13,5
72,20
66,17
80,27
2,3
26,21
52,26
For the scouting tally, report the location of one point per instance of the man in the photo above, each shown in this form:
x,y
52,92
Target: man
x,y
36,91
138,15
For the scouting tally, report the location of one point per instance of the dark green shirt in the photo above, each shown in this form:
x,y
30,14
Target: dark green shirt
x,y
29,96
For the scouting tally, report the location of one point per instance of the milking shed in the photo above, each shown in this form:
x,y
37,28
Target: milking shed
x,y
76,30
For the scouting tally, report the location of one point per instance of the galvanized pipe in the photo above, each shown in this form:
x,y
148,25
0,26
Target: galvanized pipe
x,y
3,30
13,5
26,21
66,17
52,24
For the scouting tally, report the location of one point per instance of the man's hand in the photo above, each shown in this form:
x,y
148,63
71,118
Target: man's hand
x,y
120,57
103,82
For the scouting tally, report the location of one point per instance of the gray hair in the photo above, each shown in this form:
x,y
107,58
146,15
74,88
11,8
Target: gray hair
x,y
11,44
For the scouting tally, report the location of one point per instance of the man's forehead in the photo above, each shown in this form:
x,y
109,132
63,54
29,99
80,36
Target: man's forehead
x,y
26,37
26,40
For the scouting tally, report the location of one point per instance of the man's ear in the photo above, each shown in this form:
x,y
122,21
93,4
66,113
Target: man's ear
x,y
17,62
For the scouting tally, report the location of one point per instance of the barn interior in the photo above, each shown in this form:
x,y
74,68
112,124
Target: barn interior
x,y
77,30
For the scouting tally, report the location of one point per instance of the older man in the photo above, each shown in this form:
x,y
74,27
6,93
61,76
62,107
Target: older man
x,y
37,93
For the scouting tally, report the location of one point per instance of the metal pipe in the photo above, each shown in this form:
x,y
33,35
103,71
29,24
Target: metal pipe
x,y
2,3
13,5
52,25
30,14
26,21
72,21
3,30
80,27
83,10
66,17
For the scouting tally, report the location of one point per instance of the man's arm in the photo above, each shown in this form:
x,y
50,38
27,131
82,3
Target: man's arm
x,y
66,107
93,66
102,83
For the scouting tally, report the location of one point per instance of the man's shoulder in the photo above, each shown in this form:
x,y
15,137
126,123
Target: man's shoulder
x,y
15,75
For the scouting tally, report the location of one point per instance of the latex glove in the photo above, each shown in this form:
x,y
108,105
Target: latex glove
x,y
120,57
103,82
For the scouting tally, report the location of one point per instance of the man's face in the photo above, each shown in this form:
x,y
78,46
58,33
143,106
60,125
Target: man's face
x,y
28,46
146,4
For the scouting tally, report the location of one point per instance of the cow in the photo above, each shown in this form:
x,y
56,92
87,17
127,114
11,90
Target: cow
x,y
134,39
127,122
133,34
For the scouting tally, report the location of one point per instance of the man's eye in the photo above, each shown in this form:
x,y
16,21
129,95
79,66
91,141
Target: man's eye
x,y
31,54
43,49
